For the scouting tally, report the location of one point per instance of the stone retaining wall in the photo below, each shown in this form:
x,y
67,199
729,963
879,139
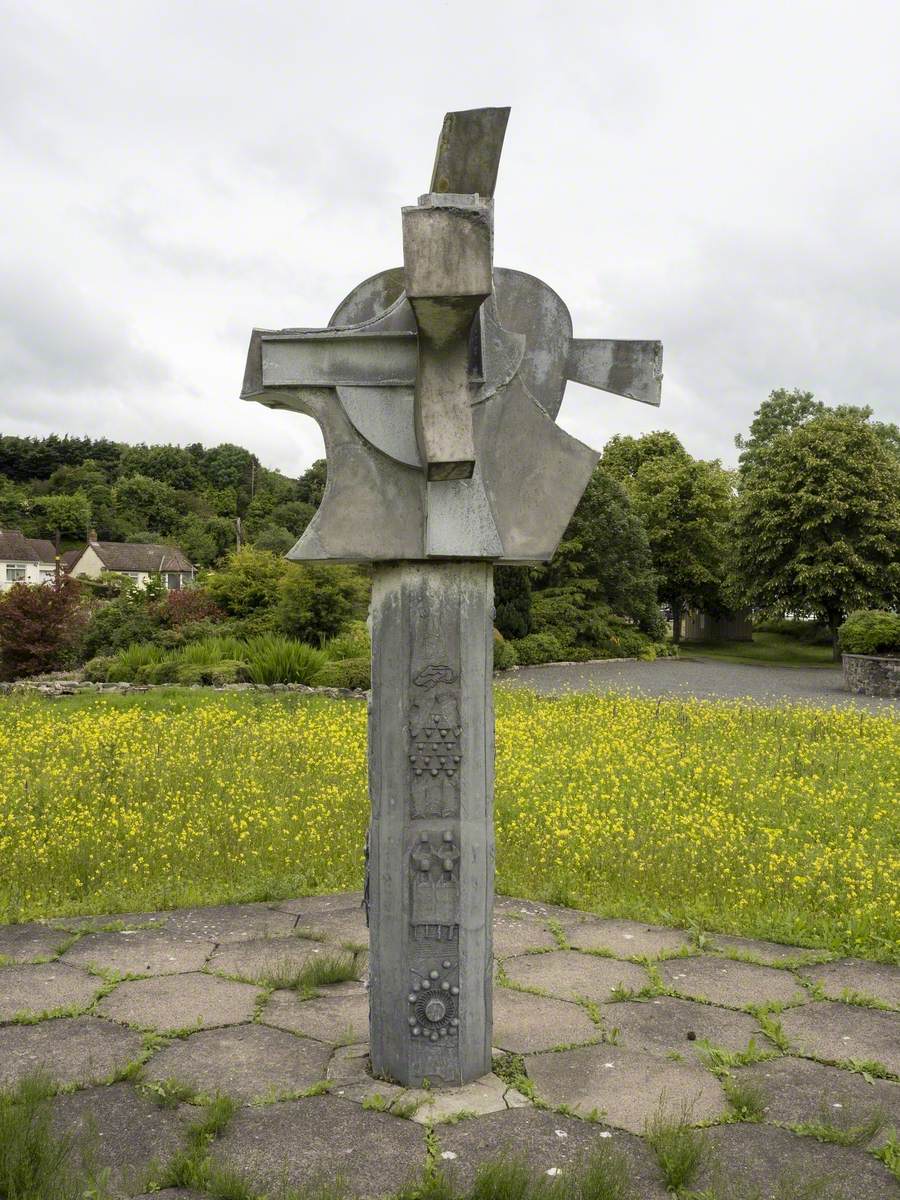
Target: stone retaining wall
x,y
72,687
872,675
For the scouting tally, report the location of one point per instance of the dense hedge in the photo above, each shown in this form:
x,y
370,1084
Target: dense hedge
x,y
870,631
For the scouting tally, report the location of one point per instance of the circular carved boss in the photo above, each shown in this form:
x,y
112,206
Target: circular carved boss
x,y
434,1006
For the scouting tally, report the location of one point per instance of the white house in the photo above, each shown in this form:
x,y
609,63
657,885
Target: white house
x,y
25,560
138,560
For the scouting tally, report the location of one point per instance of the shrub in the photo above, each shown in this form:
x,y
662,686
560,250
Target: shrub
x,y
188,605
125,665
127,620
274,659
504,653
512,601
347,673
811,633
352,642
870,631
211,674
537,648
39,627
96,669
315,601
164,671
247,582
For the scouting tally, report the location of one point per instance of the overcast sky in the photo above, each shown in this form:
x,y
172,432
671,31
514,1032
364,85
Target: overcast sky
x,y
723,176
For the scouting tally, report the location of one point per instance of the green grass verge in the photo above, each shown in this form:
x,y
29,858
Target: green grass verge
x,y
769,649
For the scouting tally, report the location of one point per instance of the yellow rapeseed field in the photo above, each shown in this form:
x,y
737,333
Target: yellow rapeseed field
x,y
776,822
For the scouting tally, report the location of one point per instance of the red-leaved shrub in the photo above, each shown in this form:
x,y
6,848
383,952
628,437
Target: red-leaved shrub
x,y
40,625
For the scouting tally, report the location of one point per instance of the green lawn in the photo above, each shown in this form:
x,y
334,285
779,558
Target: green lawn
x,y
768,822
771,649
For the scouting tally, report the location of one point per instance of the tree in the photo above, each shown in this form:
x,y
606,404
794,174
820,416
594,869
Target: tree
x,y
146,504
623,456
685,506
817,524
311,484
606,544
40,625
316,600
784,410
275,538
206,539
512,601
70,514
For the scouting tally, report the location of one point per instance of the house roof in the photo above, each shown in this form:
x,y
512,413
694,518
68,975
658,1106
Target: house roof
x,y
70,558
16,547
140,556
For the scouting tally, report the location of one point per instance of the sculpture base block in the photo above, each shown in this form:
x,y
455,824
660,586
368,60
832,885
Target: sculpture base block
x,y
430,874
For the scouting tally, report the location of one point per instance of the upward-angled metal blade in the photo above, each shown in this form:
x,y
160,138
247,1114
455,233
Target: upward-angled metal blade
x,y
468,151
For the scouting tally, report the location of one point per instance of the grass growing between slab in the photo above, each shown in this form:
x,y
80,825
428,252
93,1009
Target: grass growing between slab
x,y
778,823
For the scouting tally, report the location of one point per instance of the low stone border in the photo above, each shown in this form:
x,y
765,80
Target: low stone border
x,y
72,687
872,674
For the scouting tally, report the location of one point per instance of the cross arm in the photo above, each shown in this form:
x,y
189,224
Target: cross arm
x,y
329,358
632,369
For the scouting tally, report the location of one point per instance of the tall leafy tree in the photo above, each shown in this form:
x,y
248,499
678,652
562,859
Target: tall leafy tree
x,y
605,546
817,523
685,505
623,455
783,410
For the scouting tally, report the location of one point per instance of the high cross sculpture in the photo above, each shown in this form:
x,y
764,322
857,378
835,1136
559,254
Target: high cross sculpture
x,y
436,385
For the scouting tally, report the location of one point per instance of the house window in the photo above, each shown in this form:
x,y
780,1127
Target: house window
x,y
47,576
173,581
15,572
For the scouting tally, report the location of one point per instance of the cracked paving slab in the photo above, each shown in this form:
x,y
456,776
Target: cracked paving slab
x,y
326,1138
120,1131
224,923
139,952
839,1032
798,1091
171,1003
66,1050
570,975
733,984
28,943
547,1142
624,1088
339,1014
257,959
878,980
486,1095
524,1023
762,1157
624,939
33,990
247,1062
665,1025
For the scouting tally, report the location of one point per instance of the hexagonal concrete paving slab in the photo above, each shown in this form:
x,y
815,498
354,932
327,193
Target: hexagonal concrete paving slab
x,y
246,1062
29,943
546,1142
515,934
230,922
259,959
338,918
525,1023
121,1131
570,975
140,952
175,1002
624,939
66,1050
767,952
323,1137
797,1091
486,1095
839,1032
665,1026
747,1157
880,981
624,1088
34,990
339,1014
734,984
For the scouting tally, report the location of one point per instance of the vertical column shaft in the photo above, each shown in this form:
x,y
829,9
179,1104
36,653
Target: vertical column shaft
x,y
431,847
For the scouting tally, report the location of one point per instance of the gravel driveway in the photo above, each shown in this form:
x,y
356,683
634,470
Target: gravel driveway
x,y
705,680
